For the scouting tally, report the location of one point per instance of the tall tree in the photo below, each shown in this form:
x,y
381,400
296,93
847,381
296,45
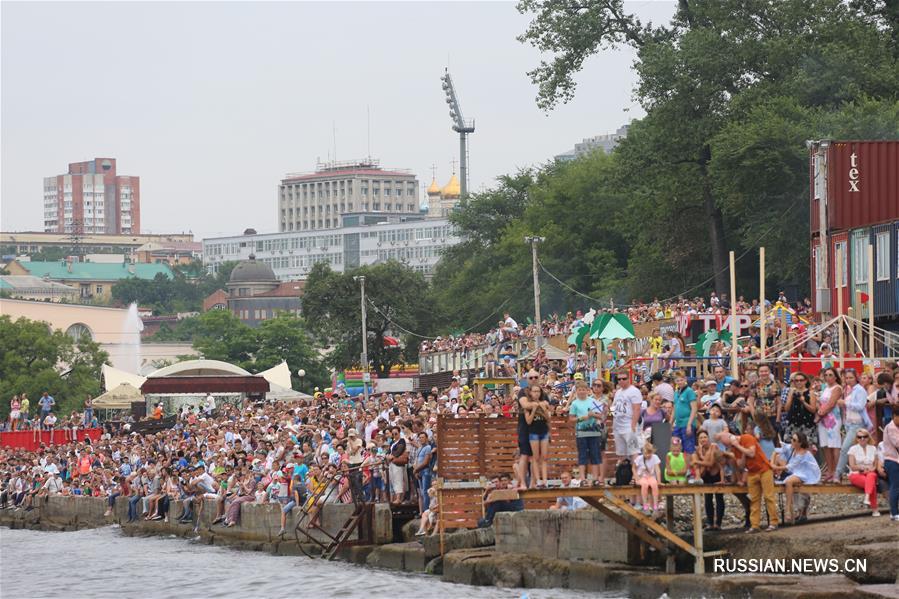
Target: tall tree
x,y
219,335
34,359
398,305
711,68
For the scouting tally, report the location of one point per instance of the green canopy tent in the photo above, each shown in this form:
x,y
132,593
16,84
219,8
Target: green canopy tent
x,y
609,327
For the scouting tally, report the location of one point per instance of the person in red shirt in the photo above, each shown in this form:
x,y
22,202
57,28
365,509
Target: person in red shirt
x,y
760,480
85,462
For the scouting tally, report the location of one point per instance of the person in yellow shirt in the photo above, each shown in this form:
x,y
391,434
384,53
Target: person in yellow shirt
x,y
655,343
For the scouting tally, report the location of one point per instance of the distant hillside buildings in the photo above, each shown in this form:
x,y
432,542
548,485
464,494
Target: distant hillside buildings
x,y
347,214
363,240
92,198
93,280
606,143
314,201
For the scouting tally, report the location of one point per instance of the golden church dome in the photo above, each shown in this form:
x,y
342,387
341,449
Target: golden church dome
x,y
453,189
434,189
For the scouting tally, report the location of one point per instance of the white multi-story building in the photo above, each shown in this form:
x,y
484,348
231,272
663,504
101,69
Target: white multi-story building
x,y
365,239
314,201
605,142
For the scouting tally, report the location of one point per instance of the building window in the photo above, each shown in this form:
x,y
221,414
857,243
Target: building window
x,y
860,259
882,252
99,289
78,331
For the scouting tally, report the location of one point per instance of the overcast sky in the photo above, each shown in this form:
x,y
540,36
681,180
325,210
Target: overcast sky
x,y
211,104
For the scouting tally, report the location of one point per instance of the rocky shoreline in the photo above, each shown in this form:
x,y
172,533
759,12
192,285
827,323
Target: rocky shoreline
x,y
472,557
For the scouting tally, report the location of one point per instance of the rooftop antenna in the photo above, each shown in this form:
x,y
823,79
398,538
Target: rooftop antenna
x,y
334,137
461,126
368,128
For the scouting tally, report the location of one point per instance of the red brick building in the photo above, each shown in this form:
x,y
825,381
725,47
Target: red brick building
x,y
92,198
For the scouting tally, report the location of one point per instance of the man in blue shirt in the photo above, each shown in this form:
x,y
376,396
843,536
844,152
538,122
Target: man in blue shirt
x,y
685,407
46,402
721,379
422,469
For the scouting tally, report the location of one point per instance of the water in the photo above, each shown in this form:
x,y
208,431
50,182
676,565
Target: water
x,y
103,562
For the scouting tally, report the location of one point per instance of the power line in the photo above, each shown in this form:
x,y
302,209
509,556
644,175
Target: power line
x,y
682,293
463,331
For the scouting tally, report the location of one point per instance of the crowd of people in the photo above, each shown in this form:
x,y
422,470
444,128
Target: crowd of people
x,y
766,428
509,329
46,416
836,427
255,452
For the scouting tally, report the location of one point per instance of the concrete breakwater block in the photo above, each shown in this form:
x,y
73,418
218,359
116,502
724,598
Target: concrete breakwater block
x,y
486,567
566,535
355,554
460,539
882,561
409,557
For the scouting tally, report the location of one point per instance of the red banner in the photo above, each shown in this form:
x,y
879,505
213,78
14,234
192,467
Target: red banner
x,y
31,440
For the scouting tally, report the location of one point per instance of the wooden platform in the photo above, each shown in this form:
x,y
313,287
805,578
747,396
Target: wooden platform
x,y
670,490
461,505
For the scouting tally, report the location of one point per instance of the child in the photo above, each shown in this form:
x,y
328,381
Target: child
x,y
676,463
429,516
647,475
710,396
713,426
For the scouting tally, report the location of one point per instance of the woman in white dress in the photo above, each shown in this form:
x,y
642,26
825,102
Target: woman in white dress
x,y
829,422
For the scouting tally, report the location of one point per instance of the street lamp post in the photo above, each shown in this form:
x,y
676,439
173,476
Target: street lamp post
x,y
534,241
302,374
366,377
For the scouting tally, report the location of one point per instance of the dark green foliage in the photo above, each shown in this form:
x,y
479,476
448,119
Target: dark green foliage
x,y
398,294
32,359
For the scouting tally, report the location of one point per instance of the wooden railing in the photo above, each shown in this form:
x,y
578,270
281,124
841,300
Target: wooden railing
x,y
474,449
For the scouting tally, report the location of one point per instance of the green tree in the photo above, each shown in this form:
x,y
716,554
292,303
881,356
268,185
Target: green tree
x,y
163,295
574,206
285,337
399,305
34,359
219,335
708,75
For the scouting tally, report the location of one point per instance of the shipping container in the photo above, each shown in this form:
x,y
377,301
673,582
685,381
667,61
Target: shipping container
x,y
895,242
886,277
860,181
839,244
820,293
859,240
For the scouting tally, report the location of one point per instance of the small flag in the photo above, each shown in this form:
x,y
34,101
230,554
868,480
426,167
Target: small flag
x,y
864,297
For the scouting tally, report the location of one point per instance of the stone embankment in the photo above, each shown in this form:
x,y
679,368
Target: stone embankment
x,y
539,549
258,528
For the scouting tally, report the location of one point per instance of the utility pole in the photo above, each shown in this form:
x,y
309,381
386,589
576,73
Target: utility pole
x,y
366,376
534,241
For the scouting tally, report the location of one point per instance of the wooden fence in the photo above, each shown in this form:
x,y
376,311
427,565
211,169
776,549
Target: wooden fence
x,y
473,449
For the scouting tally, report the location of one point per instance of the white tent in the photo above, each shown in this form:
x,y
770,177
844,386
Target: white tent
x,y
113,377
119,398
278,375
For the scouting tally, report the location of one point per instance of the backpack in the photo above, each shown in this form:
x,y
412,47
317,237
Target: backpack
x,y
624,475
